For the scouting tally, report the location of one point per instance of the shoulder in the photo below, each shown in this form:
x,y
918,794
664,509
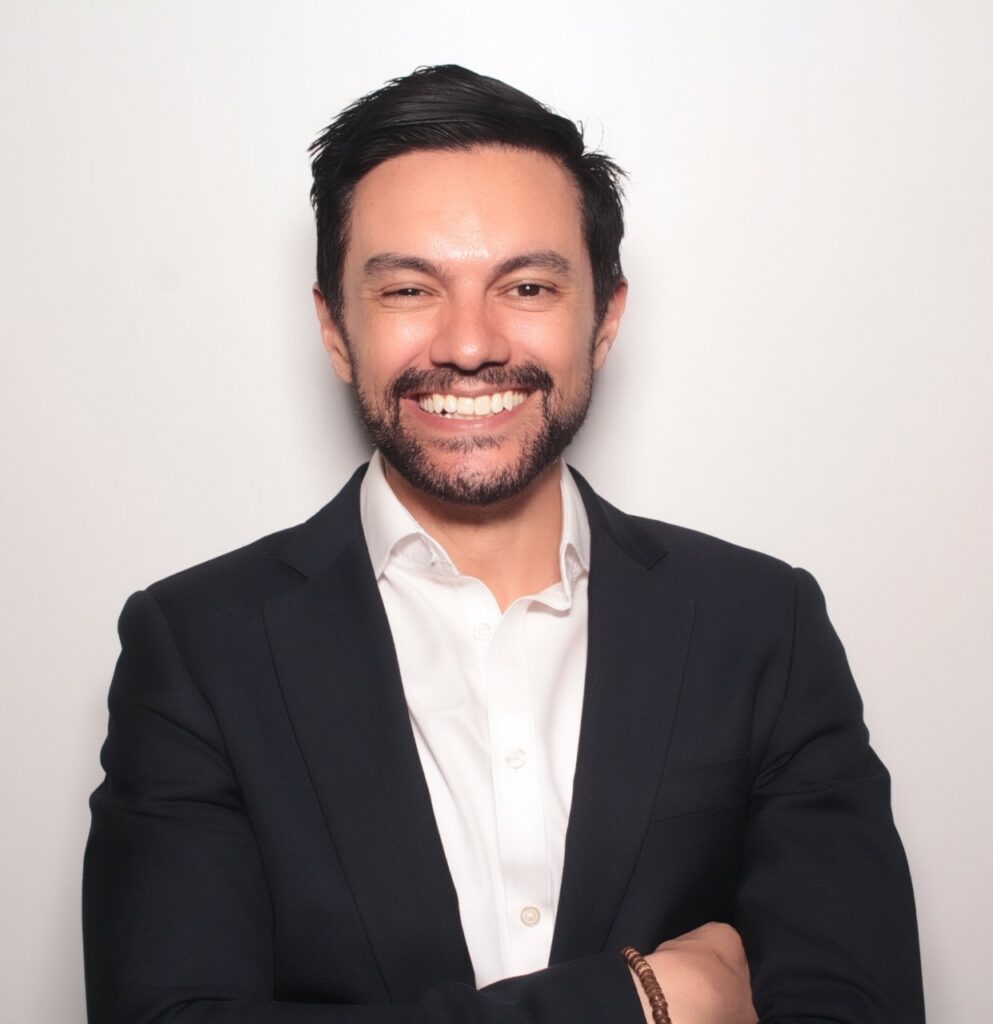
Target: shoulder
x,y
689,550
742,594
691,555
244,574
241,581
743,600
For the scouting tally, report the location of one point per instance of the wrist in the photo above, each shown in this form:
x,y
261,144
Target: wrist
x,y
646,1006
653,1002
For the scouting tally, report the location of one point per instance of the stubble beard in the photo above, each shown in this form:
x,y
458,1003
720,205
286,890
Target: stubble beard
x,y
412,459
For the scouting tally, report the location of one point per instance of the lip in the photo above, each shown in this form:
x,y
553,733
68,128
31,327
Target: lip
x,y
448,424
486,389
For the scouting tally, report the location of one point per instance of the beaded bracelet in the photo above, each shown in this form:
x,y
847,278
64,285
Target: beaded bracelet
x,y
646,976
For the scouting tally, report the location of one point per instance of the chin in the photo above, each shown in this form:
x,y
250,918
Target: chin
x,y
466,480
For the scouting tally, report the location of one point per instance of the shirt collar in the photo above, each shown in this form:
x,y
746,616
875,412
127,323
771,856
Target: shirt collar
x,y
392,532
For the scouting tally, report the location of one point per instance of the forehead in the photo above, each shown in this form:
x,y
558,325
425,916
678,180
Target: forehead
x,y
488,201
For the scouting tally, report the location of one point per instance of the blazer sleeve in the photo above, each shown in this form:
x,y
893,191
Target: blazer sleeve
x,y
177,919
825,905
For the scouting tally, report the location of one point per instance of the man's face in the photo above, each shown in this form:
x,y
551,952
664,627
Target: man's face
x,y
469,330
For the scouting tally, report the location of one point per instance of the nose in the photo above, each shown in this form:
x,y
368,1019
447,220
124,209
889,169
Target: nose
x,y
469,337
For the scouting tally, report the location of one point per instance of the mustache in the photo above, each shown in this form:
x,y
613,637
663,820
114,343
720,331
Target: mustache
x,y
524,377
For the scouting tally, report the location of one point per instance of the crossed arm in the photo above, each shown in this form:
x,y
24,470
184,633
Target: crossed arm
x,y
706,977
179,923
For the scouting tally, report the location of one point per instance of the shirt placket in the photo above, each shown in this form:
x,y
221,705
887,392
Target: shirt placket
x,y
526,912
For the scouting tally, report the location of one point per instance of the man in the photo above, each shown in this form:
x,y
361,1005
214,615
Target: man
x,y
469,721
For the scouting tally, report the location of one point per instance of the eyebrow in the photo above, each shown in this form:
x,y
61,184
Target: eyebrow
x,y
385,261
541,259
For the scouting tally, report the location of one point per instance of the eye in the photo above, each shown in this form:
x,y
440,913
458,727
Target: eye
x,y
404,293
530,290
405,297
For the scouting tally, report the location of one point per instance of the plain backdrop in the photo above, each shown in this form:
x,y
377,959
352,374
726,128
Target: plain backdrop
x,y
805,367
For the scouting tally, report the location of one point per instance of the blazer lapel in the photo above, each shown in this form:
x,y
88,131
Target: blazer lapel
x,y
638,639
337,668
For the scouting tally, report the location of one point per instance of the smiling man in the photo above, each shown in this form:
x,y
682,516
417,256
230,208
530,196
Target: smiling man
x,y
444,751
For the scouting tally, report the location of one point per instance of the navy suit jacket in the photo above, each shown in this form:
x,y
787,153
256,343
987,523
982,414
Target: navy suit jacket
x,y
263,847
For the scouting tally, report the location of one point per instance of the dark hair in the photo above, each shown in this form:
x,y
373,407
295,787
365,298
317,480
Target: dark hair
x,y
450,107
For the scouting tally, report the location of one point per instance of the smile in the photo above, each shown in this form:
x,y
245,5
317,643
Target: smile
x,y
464,407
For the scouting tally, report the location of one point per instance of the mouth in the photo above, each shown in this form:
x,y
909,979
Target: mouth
x,y
474,407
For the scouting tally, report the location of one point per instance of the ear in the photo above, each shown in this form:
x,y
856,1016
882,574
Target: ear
x,y
610,325
332,338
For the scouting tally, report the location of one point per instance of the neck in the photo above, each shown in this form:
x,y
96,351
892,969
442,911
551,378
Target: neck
x,y
511,546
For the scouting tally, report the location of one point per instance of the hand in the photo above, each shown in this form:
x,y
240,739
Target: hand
x,y
704,976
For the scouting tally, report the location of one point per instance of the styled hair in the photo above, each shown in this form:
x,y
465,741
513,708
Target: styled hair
x,y
448,107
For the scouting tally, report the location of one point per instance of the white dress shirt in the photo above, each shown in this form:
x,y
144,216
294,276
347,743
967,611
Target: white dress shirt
x,y
495,702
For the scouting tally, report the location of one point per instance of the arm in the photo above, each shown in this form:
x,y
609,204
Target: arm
x,y
177,915
704,977
825,905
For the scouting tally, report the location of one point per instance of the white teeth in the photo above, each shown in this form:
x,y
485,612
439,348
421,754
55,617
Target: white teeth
x,y
463,407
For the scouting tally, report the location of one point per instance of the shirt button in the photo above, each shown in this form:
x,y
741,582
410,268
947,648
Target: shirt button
x,y
481,631
530,916
516,759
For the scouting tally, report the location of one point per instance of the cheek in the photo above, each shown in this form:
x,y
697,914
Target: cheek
x,y
560,343
568,360
385,345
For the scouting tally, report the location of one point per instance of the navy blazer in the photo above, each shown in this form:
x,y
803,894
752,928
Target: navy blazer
x,y
263,847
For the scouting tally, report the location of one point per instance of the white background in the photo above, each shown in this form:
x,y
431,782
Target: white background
x,y
805,367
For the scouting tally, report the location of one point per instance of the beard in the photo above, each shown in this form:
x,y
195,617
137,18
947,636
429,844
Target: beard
x,y
411,458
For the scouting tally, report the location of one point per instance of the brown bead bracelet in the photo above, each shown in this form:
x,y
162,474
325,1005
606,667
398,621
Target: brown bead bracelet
x,y
646,976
